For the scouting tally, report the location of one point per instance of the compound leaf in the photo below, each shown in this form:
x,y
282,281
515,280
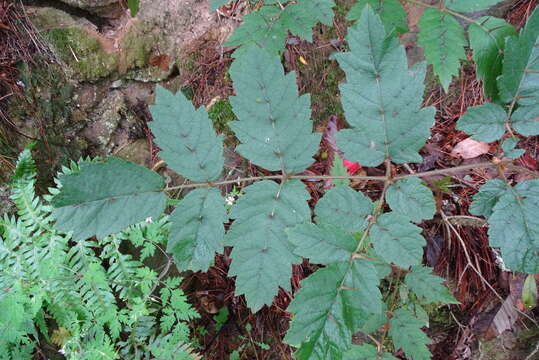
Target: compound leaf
x,y
409,197
520,72
344,207
442,38
186,137
488,42
366,352
406,333
322,244
428,287
391,12
483,122
105,197
197,229
379,98
262,256
274,124
328,307
514,226
469,5
397,240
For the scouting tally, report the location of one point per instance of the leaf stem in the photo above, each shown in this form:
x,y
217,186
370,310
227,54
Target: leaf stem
x,y
456,169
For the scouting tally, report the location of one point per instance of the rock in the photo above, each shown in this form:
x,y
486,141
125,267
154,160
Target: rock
x,y
6,205
137,151
103,8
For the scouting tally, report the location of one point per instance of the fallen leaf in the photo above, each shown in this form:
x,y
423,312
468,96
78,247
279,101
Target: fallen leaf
x,y
469,149
351,166
161,61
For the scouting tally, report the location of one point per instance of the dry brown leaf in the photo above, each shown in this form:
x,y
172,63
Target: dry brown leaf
x,y
469,149
161,61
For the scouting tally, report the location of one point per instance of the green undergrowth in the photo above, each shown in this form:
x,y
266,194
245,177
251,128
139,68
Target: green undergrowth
x,y
221,115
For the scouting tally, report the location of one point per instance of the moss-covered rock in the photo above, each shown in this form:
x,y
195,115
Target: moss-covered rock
x,y
83,53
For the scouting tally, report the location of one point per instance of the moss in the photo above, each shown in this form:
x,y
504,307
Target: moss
x,y
83,53
221,114
326,96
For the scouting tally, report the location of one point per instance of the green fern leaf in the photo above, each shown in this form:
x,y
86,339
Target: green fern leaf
x,y
397,240
186,137
329,306
469,5
197,230
322,244
410,198
484,122
513,225
106,197
262,256
391,12
488,42
274,124
366,352
428,287
344,207
442,38
379,98
406,333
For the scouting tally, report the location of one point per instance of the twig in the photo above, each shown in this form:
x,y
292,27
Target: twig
x,y
529,357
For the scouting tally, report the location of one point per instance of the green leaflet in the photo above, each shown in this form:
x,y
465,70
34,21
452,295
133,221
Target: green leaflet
x,y
488,50
469,5
428,287
133,6
513,224
197,229
484,122
487,197
186,137
391,13
442,38
397,240
300,17
366,352
105,197
260,28
509,149
338,169
379,98
328,307
524,120
410,198
520,66
274,124
406,333
262,257
322,244
216,4
344,207
267,28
